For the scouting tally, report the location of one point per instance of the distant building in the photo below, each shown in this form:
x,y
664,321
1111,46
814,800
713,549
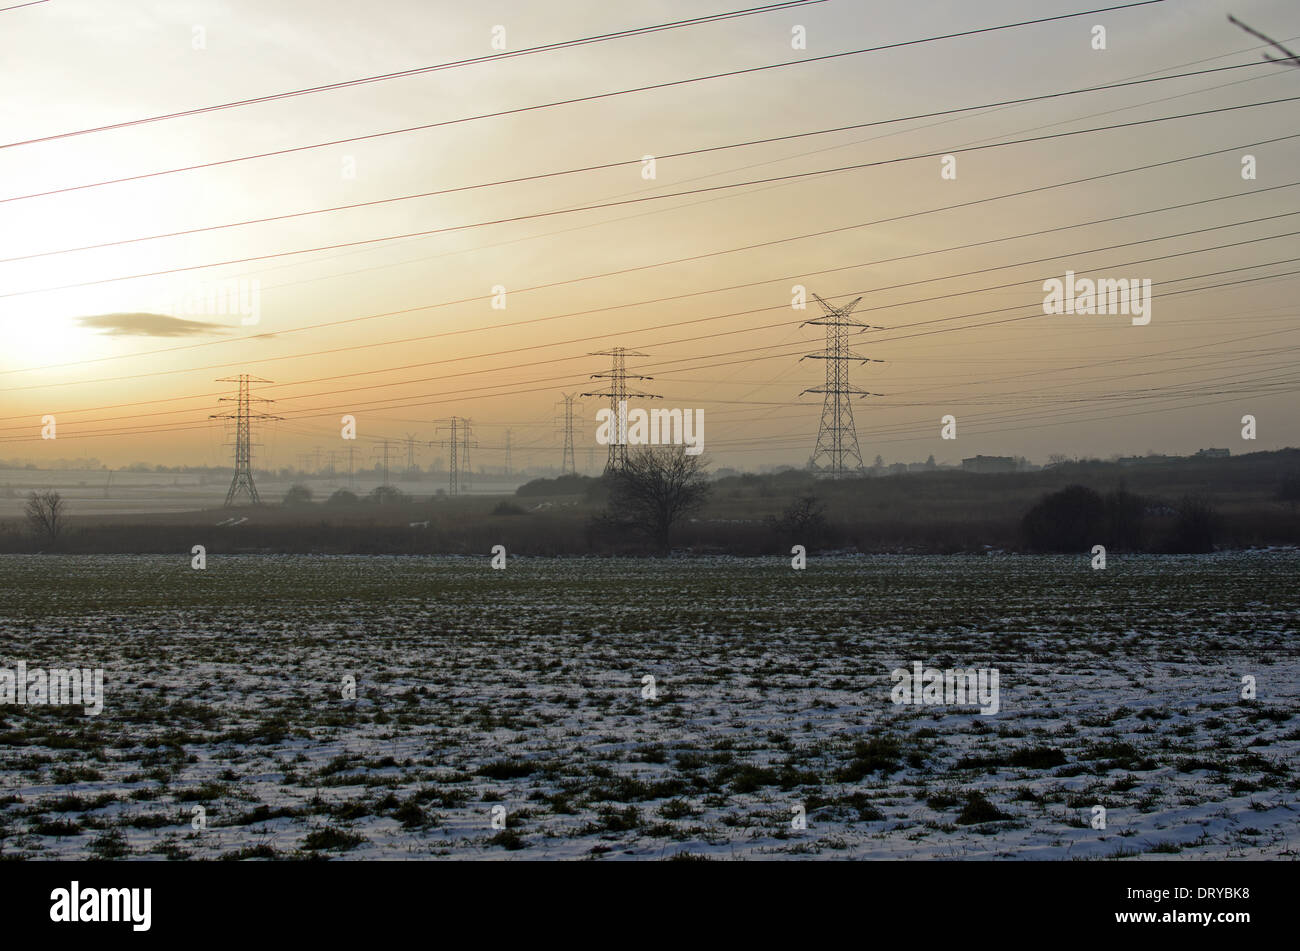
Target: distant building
x,y
1213,454
989,464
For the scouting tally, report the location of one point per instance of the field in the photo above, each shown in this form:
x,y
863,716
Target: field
x,y
521,691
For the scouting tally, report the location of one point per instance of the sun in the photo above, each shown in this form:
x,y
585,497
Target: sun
x,y
35,340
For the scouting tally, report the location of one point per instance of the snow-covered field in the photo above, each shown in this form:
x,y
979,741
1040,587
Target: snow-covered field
x,y
520,692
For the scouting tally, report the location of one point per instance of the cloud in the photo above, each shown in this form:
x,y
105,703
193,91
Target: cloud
x,y
149,325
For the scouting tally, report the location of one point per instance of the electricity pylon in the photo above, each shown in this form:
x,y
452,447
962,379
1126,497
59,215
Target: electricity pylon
x,y
243,416
568,466
459,450
384,451
467,471
618,394
836,454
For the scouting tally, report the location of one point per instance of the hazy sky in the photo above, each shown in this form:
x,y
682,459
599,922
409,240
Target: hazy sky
x,y
126,383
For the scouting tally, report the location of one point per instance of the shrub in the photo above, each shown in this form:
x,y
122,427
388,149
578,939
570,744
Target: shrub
x,y
387,494
571,484
978,809
1073,519
507,769
804,521
332,839
297,495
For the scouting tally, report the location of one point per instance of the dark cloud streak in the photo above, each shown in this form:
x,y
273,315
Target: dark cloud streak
x,y
149,325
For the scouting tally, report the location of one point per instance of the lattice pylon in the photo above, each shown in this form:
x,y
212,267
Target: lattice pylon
x,y
242,483
618,394
836,453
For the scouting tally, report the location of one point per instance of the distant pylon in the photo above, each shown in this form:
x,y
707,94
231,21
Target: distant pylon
x,y
384,450
836,453
243,417
618,395
410,453
467,473
507,454
459,449
568,465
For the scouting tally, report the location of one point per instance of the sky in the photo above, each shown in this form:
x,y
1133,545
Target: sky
x,y
121,310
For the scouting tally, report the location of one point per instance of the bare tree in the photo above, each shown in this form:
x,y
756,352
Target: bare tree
x,y
45,513
655,489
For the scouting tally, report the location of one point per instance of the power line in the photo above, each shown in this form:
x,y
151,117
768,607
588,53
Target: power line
x,y
607,165
709,254
1288,59
493,57
1154,72
587,339
632,201
549,382
778,324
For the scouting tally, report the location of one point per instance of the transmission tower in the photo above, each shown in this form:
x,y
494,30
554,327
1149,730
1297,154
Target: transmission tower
x,y
384,450
837,454
568,466
459,448
467,472
243,417
507,454
618,394
410,453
